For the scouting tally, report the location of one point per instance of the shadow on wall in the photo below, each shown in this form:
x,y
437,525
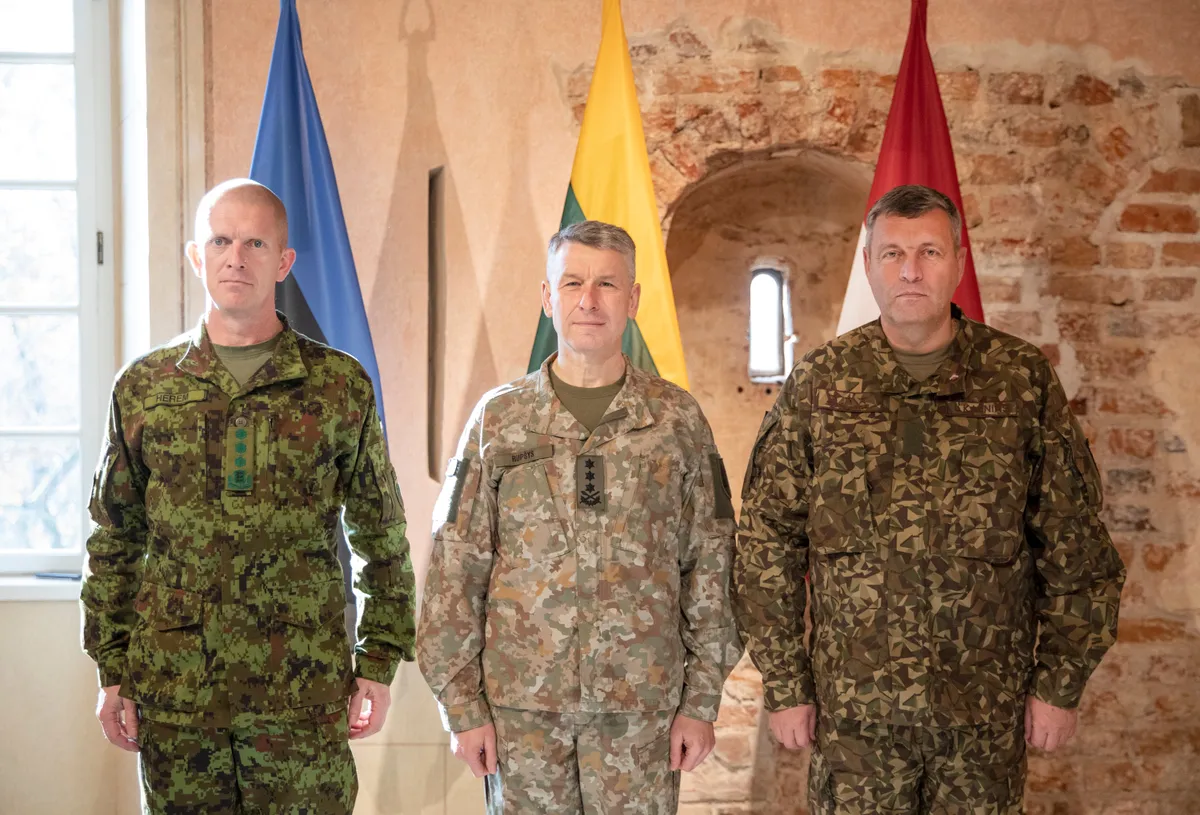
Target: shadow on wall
x,y
421,150
802,210
462,374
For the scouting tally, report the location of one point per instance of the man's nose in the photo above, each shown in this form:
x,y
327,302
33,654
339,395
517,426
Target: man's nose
x,y
588,299
236,256
910,270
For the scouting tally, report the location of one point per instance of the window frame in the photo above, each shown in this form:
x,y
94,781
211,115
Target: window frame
x,y
777,268
93,187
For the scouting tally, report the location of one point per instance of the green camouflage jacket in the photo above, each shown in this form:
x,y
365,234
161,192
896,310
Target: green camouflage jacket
x,y
949,530
213,586
581,574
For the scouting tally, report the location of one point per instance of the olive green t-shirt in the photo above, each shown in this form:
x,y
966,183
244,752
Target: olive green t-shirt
x,y
922,366
243,361
587,405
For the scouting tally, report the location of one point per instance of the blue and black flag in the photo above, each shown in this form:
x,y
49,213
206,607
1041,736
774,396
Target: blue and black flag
x,y
321,297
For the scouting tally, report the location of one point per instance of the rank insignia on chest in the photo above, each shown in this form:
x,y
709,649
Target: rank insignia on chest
x,y
589,483
239,458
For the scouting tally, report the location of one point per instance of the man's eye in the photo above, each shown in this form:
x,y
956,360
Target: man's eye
x,y
257,244
218,241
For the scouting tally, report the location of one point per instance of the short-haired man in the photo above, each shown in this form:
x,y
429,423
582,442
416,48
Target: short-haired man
x,y
214,602
926,473
576,626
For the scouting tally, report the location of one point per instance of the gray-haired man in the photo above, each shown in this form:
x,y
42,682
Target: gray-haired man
x,y
576,625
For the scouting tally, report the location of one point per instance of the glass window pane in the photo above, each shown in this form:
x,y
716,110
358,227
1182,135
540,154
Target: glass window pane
x,y
766,326
39,247
39,382
37,122
37,26
41,502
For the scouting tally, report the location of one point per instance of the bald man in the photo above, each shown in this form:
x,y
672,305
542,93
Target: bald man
x,y
213,600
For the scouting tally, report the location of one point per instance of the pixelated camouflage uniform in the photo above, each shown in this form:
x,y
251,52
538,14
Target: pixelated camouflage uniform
x,y
213,594
579,575
950,530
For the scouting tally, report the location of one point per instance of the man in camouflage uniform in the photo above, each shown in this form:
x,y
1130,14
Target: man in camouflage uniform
x,y
926,473
576,626
213,599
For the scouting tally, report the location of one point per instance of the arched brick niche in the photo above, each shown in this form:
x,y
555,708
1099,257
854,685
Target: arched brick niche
x,y
797,211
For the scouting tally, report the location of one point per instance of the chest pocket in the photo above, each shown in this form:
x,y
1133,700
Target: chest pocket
x,y
849,442
647,497
175,445
529,523
303,462
983,482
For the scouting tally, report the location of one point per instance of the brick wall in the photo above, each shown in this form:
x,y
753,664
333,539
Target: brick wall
x,y
1081,184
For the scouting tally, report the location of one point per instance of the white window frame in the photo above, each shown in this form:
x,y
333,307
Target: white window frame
x,y
97,325
777,268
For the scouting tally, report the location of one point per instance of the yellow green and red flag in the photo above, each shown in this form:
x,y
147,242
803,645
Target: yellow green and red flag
x,y
610,182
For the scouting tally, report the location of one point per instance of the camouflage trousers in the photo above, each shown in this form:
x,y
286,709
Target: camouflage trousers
x,y
271,768
576,763
864,769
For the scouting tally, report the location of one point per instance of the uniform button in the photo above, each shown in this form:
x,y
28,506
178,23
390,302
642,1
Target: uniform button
x,y
241,434
239,462
240,421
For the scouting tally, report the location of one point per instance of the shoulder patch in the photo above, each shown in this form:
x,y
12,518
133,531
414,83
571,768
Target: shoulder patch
x,y
722,494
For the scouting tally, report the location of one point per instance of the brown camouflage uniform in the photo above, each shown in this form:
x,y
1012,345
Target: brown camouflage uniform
x,y
580,575
950,531
214,595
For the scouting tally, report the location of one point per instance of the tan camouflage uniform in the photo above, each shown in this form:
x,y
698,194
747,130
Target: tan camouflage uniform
x,y
949,530
580,576
214,595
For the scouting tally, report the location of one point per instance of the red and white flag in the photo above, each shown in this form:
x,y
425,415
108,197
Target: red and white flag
x,y
916,150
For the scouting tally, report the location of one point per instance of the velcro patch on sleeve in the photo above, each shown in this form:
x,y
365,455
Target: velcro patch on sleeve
x,y
456,477
722,494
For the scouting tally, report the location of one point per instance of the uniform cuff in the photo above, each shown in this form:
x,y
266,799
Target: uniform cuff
x,y
376,669
789,691
701,706
468,716
110,675
1062,688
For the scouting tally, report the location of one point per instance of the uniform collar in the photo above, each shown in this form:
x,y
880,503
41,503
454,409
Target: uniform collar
x,y
948,380
201,361
629,409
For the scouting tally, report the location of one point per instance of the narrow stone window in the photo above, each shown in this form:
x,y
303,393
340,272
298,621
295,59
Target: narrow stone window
x,y
770,323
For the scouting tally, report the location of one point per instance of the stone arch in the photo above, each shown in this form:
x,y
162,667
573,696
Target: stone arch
x,y
801,209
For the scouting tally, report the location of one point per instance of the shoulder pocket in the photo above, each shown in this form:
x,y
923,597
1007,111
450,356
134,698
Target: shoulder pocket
x,y
391,509
754,466
1084,469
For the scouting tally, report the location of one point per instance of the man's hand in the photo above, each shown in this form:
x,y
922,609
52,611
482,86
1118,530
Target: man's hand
x,y
118,716
1048,727
794,727
368,708
691,742
476,747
